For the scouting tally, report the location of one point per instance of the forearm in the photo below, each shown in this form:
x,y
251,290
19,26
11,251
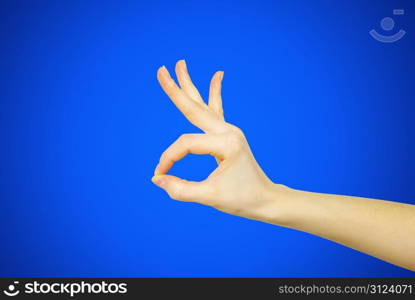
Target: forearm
x,y
380,228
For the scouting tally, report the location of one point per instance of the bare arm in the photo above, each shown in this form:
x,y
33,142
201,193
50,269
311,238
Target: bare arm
x,y
383,229
238,185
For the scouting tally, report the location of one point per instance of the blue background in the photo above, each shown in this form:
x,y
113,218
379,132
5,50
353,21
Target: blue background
x,y
325,108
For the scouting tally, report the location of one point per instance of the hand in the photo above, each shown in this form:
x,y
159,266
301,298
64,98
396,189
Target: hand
x,y
238,185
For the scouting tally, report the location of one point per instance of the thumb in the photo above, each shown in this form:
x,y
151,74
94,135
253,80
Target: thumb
x,y
181,189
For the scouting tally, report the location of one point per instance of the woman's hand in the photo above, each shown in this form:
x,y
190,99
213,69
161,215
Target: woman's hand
x,y
238,185
383,229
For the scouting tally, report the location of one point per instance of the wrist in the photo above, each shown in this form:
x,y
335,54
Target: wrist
x,y
281,201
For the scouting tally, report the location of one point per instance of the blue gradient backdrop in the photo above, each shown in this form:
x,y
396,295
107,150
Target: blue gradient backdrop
x,y
83,121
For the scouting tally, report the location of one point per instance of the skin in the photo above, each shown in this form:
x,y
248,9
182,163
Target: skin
x,y
238,186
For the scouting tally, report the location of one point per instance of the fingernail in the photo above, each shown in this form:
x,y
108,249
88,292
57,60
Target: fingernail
x,y
222,73
156,169
165,72
158,180
160,71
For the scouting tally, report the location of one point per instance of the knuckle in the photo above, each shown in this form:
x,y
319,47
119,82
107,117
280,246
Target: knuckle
x,y
195,109
175,193
209,193
183,138
237,132
218,110
236,140
170,85
165,156
191,113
